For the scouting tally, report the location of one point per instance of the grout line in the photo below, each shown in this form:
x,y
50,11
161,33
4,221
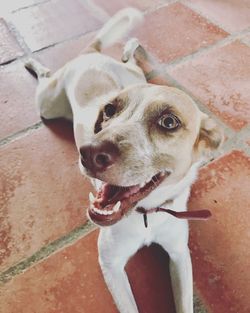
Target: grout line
x,y
96,10
47,251
244,40
238,141
13,61
17,35
237,34
65,40
29,6
208,18
199,306
221,43
20,134
59,42
159,6
10,61
30,53
8,11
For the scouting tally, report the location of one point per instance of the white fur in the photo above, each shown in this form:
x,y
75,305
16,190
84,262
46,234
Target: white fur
x,y
56,97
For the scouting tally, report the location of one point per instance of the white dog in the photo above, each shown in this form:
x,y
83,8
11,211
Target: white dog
x,y
141,144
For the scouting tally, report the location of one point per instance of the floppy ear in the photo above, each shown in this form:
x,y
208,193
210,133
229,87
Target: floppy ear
x,y
209,139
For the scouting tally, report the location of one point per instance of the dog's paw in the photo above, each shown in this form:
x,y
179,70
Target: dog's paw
x,y
36,68
129,49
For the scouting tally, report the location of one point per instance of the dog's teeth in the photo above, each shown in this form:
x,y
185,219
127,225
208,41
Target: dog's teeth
x,y
102,212
107,212
117,206
91,197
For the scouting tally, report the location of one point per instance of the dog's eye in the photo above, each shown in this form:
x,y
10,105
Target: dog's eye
x,y
169,122
109,110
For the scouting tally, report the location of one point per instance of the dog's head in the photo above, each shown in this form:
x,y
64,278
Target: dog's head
x,y
144,136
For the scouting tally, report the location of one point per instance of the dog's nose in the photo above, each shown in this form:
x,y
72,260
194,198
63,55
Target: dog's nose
x,y
99,157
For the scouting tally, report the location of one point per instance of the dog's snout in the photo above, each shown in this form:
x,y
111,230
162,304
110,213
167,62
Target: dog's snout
x,y
98,157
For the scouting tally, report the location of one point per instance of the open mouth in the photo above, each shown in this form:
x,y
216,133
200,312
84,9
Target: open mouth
x,y
112,202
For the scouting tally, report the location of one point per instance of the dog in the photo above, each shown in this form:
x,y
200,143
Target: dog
x,y
141,145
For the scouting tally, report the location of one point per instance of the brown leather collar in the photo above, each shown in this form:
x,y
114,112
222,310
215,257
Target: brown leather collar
x,y
190,215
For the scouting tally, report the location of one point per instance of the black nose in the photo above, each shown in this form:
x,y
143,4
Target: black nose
x,y
99,157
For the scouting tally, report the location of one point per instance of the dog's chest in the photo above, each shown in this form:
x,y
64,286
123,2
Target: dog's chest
x,y
160,227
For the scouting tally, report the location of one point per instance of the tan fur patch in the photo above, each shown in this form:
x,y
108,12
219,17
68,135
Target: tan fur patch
x,y
94,47
88,87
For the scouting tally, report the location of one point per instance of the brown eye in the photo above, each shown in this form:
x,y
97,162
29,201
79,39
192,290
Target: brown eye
x,y
109,110
169,122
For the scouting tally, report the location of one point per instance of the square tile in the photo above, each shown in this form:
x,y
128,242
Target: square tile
x,y
54,21
175,31
113,6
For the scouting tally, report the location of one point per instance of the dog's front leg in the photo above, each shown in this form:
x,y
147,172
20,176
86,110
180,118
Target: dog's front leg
x,y
113,257
174,240
182,280
118,284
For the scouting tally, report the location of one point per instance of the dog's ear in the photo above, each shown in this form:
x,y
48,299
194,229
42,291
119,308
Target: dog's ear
x,y
210,137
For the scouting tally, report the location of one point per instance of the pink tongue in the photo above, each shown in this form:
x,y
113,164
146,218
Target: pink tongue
x,y
131,191
112,194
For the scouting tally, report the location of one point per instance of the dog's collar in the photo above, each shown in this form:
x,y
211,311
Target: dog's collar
x,y
190,215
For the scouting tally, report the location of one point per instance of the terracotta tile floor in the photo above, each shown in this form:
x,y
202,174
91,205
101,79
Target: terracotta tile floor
x,y
48,254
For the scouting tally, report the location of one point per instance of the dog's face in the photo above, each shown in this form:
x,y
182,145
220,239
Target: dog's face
x,y
144,136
